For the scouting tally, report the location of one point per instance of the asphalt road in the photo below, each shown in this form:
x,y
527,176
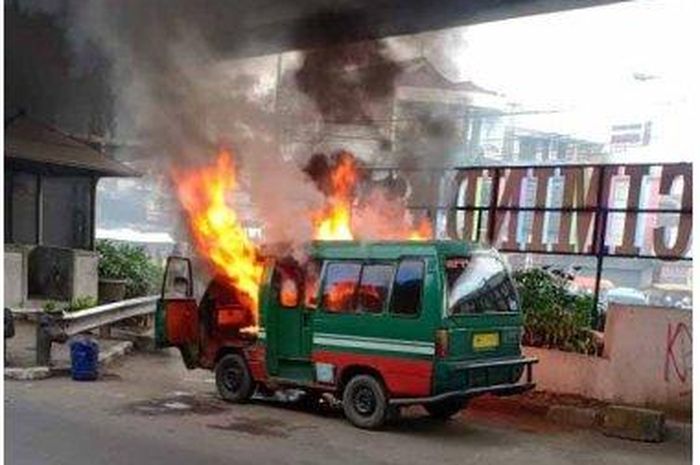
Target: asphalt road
x,y
150,410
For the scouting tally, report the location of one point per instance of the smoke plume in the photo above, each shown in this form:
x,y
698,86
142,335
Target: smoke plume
x,y
178,99
345,80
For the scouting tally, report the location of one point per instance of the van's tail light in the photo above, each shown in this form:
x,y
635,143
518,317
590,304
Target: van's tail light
x,y
442,343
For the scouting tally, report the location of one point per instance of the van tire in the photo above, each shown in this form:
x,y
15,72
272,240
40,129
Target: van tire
x,y
365,402
233,379
446,409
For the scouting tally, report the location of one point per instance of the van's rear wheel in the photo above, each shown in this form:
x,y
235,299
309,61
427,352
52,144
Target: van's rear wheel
x,y
233,379
365,402
446,409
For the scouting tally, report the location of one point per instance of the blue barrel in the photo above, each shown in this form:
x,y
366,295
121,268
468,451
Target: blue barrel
x,y
84,353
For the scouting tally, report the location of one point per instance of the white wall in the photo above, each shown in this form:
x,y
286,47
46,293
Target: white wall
x,y
647,361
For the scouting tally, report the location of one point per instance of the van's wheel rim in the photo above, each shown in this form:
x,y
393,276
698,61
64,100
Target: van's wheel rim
x,y
232,377
364,401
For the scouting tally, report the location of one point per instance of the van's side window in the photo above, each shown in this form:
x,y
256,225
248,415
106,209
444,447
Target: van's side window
x,y
339,289
312,279
286,282
374,287
405,298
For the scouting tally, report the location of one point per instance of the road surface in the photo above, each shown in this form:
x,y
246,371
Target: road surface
x,y
148,409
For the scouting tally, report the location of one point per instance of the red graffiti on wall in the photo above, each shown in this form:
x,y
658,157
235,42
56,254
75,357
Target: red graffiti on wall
x,y
679,352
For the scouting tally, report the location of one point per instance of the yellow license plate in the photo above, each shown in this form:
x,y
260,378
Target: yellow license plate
x,y
485,341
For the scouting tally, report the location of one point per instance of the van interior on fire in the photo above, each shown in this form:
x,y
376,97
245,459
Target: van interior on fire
x,y
434,323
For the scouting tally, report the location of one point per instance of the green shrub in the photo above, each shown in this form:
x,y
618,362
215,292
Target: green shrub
x,y
124,261
554,317
51,306
81,303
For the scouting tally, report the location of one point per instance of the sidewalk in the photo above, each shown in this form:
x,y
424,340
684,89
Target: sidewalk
x,y
539,411
20,352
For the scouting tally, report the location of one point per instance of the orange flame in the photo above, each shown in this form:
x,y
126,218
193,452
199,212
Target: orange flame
x,y
220,238
333,221
340,296
423,232
217,232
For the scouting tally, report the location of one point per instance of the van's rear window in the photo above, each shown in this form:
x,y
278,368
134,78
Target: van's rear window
x,y
479,283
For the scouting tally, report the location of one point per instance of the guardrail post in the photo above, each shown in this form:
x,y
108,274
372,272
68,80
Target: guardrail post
x,y
44,338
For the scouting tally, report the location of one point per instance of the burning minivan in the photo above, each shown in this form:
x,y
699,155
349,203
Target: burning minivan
x,y
378,325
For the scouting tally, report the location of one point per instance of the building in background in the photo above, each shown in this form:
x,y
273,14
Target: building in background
x,y
50,190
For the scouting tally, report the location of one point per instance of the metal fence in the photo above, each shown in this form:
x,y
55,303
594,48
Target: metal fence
x,y
595,210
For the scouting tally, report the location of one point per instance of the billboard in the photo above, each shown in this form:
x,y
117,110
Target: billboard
x,y
624,210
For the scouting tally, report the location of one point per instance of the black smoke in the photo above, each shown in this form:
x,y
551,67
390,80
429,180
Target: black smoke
x,y
345,80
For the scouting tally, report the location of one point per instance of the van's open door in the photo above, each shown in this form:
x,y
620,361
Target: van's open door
x,y
177,321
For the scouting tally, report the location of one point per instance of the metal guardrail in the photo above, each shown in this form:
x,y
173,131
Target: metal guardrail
x,y
58,328
83,320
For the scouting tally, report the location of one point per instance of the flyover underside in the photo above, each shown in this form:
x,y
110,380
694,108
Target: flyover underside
x,y
279,25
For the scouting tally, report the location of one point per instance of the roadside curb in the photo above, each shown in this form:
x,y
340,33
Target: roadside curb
x,y
679,431
581,417
638,424
35,373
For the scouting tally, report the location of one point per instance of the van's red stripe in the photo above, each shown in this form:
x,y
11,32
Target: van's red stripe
x,y
402,376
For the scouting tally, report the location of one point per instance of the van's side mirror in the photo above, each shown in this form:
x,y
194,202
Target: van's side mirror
x,y
177,282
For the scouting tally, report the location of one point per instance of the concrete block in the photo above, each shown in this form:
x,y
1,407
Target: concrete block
x,y
574,416
632,423
85,274
50,271
62,274
145,343
679,432
27,374
115,352
14,279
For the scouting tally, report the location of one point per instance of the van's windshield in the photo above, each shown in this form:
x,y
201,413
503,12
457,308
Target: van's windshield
x,y
479,283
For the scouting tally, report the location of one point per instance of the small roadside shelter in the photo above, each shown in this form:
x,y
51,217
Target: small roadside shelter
x,y
50,187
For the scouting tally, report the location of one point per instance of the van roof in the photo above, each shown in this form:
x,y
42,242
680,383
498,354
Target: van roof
x,y
390,249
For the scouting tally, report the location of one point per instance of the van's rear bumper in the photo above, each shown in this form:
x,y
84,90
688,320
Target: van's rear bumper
x,y
498,389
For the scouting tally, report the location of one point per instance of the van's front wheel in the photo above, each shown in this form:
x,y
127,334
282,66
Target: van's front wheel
x,y
233,379
365,402
446,409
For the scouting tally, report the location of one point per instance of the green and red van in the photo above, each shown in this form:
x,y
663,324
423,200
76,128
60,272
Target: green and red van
x,y
377,324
